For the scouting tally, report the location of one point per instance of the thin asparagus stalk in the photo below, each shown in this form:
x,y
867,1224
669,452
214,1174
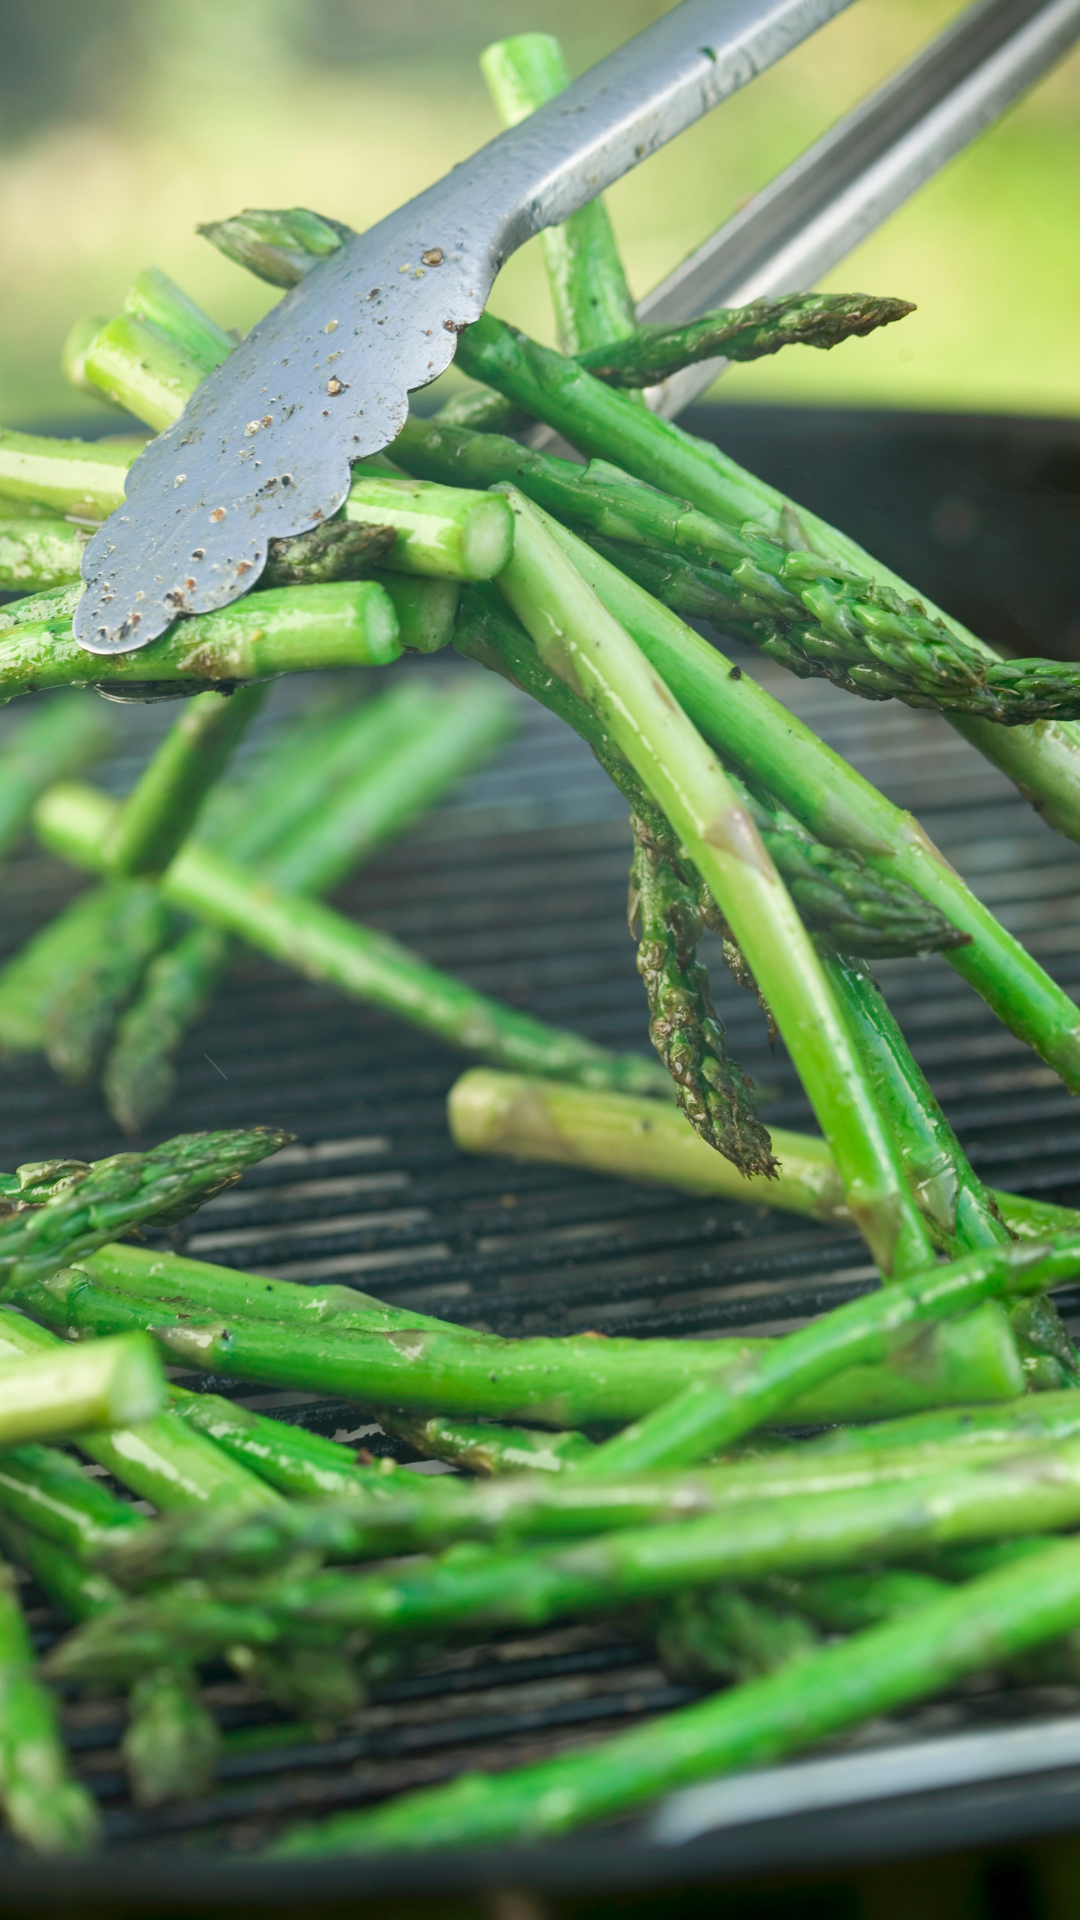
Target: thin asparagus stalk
x,y
368,966
444,531
652,353
155,298
81,477
42,971
581,644
485,1590
636,1139
83,999
62,736
548,1382
289,1457
991,1619
726,1634
38,553
127,1190
171,1743
45,1808
703,1419
47,1491
107,1383
397,1513
592,301
484,1448
77,1590
158,815
138,1077
277,244
770,745
835,891
286,630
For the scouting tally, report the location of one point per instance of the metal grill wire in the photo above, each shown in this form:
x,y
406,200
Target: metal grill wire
x,y
518,884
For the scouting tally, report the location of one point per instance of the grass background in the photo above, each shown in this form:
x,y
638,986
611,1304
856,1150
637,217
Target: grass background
x,y
124,123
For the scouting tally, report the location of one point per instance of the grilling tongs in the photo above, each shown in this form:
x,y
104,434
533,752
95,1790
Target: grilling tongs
x,y
263,448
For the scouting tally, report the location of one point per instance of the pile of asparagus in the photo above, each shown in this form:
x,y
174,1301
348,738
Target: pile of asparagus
x,y
813,1581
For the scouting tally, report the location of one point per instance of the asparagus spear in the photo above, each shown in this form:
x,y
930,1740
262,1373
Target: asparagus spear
x,y
638,1140
444,531
484,1448
94,981
548,1382
592,301
42,970
280,245
157,299
836,892
579,642
369,966
171,1743
64,735
125,1191
47,1491
142,369
77,1590
286,630
38,553
702,1419
138,1076
107,1383
991,1619
289,1457
81,477
485,1590
45,1809
652,353
726,1634
157,817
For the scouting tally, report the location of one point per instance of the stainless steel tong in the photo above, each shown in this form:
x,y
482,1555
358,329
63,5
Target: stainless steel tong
x,y
264,446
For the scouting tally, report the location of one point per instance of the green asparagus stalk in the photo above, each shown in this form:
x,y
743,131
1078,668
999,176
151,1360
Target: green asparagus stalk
x,y
396,1513
46,1810
580,643
484,1448
444,531
336,550
703,1419
425,610
592,302
772,746
63,736
77,1590
157,817
652,353
279,245
107,1383
42,971
127,1190
369,966
81,477
142,369
288,1457
47,1491
171,1743
82,1001
726,1634
487,1590
836,892
38,553
991,1619
286,630
138,1076
155,298
503,1113
548,1382
711,1088
74,350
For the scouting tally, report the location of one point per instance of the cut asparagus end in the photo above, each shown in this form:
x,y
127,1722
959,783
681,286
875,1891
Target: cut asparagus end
x,y
449,532
75,348
426,610
115,1382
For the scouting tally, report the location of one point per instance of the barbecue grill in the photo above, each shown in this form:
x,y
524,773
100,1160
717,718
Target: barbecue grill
x,y
518,883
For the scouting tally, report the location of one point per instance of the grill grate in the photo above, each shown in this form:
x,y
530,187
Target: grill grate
x,y
518,883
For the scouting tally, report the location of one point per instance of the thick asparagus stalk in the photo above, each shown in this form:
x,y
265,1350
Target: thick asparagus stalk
x,y
703,1419
425,610
369,966
289,1457
157,817
47,1490
286,630
652,353
442,531
62,736
38,553
45,1809
108,1383
138,367
637,1140
127,1190
581,644
81,477
550,1382
157,299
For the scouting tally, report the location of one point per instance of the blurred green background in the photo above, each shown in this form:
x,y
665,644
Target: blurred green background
x,y
124,122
